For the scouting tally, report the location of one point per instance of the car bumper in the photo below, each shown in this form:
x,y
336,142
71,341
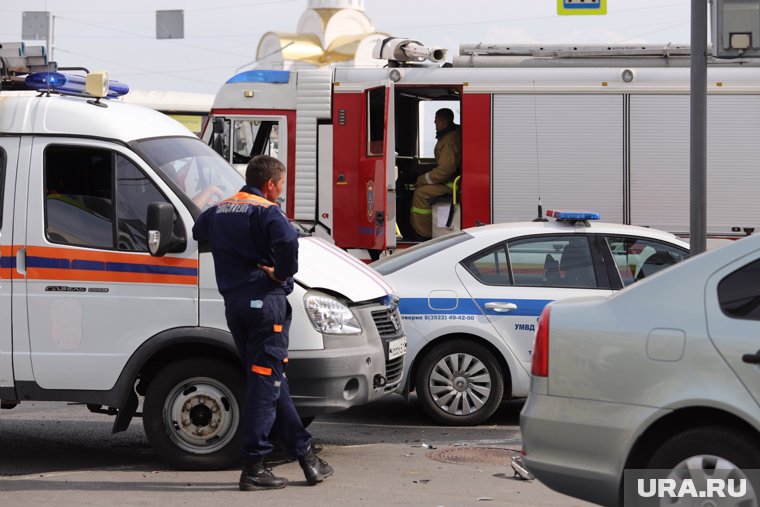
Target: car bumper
x,y
322,382
579,447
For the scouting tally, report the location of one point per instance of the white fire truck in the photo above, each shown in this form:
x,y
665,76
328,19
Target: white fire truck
x,y
577,127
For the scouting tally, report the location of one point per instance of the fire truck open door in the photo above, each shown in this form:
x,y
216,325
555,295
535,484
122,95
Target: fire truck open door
x,y
364,153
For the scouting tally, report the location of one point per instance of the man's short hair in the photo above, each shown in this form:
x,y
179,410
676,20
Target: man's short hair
x,y
445,113
261,169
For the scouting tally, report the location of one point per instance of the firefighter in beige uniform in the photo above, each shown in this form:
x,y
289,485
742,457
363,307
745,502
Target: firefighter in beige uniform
x,y
439,181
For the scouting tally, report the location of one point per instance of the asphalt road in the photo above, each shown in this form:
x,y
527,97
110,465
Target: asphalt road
x,y
386,453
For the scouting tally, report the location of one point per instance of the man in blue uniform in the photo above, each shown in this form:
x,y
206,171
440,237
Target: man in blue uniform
x,y
255,253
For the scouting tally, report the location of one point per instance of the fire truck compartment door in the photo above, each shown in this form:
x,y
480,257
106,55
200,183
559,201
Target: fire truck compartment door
x,y
364,161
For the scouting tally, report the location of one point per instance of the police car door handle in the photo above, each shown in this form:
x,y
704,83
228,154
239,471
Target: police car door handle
x,y
501,307
752,358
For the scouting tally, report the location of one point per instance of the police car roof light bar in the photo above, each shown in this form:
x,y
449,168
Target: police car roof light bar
x,y
69,83
573,215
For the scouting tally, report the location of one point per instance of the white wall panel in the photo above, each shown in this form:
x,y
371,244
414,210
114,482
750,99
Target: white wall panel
x,y
579,142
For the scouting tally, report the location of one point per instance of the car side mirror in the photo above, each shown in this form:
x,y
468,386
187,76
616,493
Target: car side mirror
x,y
161,237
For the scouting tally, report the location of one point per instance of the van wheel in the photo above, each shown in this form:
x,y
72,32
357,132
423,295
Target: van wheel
x,y
698,453
192,411
459,383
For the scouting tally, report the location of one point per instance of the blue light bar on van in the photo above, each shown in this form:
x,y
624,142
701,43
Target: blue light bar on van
x,y
573,215
261,76
69,83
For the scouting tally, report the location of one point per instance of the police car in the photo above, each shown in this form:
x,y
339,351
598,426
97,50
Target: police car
x,y
470,300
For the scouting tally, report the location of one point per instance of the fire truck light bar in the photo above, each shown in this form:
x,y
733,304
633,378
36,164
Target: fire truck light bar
x,y
573,215
261,76
69,83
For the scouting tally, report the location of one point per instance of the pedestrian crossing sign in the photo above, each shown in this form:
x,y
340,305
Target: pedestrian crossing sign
x,y
581,7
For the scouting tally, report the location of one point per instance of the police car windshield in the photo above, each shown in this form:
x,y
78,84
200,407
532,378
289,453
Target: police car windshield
x,y
403,258
193,169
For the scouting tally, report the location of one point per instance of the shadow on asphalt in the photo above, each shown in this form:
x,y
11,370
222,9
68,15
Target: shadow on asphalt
x,y
33,441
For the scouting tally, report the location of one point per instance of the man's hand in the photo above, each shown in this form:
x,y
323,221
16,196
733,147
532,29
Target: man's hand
x,y
269,270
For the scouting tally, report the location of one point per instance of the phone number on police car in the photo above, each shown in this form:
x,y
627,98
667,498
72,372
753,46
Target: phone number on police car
x,y
438,317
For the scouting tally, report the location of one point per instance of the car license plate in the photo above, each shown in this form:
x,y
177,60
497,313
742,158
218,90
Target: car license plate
x,y
396,348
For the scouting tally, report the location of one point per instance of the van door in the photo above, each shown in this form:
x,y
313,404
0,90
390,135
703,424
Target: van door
x,y
93,293
9,148
364,152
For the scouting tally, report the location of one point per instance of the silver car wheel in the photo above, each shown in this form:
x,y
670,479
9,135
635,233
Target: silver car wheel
x,y
460,384
201,415
701,467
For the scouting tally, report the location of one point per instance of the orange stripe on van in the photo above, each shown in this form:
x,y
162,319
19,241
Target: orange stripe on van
x,y
76,264
278,328
261,370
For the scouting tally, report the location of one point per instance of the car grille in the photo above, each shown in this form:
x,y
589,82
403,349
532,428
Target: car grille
x,y
393,370
388,323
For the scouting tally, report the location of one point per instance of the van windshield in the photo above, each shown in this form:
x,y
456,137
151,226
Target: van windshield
x,y
192,168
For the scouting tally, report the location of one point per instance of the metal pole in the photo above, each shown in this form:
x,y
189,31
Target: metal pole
x,y
51,41
698,120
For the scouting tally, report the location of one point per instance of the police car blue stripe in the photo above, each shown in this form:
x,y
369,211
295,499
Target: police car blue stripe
x,y
467,306
7,262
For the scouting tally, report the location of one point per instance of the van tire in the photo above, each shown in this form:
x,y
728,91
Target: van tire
x,y
481,380
192,411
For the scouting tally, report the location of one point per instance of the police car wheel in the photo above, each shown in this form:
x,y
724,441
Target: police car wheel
x,y
191,414
459,383
711,451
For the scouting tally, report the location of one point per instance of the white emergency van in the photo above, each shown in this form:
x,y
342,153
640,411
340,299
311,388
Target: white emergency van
x,y
105,299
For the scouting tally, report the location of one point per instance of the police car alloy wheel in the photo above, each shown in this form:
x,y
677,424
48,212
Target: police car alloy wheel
x,y
459,383
192,412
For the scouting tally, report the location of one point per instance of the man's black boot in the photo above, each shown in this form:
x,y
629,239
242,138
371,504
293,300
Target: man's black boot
x,y
314,469
257,476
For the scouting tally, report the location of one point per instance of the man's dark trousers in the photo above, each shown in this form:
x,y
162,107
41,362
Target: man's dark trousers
x,y
260,328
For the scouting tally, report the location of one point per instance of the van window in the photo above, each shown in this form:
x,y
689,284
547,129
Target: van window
x,y
375,121
78,196
200,177
80,208
134,192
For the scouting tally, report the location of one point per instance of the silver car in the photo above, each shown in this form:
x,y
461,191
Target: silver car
x,y
661,375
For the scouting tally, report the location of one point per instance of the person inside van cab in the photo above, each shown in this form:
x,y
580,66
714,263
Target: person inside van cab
x,y
439,180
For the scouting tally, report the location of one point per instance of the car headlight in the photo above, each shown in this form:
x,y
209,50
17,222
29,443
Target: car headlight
x,y
330,316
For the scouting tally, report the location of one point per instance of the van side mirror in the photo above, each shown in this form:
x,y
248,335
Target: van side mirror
x,y
161,238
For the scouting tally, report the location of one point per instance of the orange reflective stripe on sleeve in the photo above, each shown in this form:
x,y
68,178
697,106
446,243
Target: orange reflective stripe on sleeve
x,y
278,328
261,370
